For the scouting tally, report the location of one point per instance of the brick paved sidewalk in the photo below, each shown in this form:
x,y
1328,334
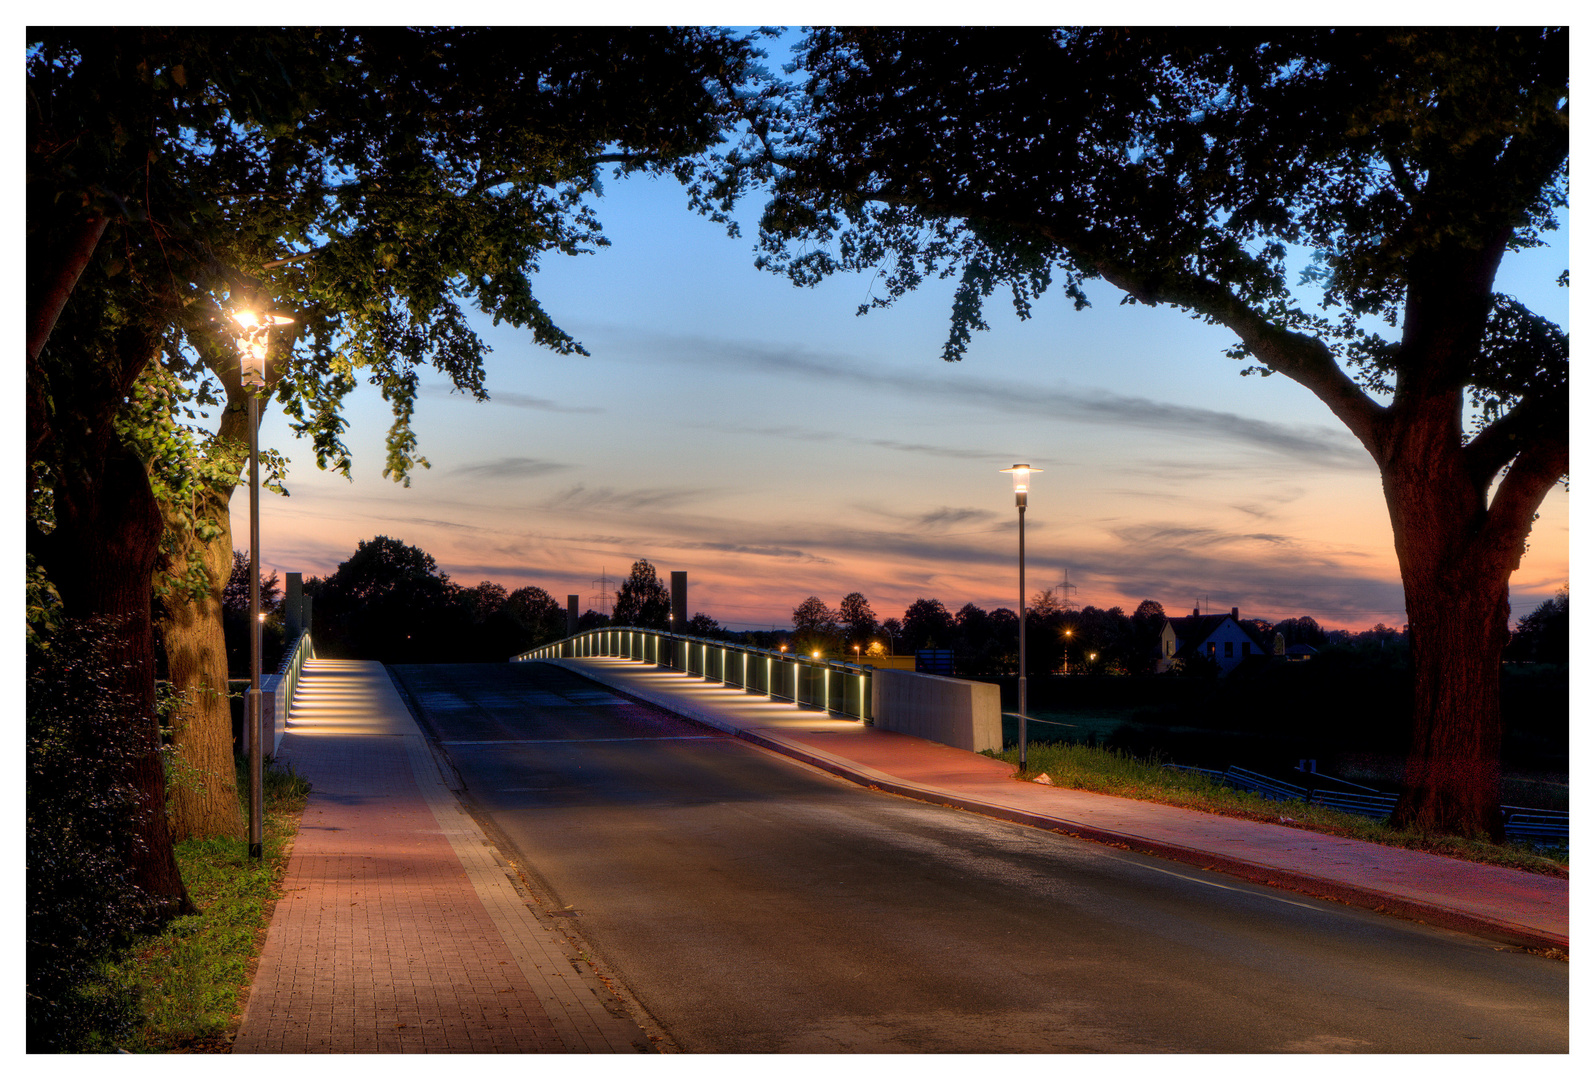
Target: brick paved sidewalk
x,y
399,930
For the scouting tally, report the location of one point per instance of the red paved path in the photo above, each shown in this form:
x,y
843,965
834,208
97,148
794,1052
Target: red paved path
x,y
398,930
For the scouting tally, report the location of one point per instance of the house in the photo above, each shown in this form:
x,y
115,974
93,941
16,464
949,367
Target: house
x,y
1220,638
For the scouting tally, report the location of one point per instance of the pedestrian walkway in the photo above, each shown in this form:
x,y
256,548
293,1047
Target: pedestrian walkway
x,y
1504,905
400,930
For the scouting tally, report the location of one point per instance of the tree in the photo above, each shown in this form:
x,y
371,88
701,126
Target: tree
x,y
703,626
1190,168
235,593
1146,628
814,625
1301,631
390,602
642,600
538,613
856,614
367,180
927,624
1543,634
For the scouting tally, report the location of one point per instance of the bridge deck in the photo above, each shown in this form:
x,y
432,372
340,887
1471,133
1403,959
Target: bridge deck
x,y
1509,905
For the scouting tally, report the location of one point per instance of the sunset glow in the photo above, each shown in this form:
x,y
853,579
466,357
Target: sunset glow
x,y
774,445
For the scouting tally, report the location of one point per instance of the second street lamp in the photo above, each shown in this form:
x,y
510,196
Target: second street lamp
x,y
1021,492
254,330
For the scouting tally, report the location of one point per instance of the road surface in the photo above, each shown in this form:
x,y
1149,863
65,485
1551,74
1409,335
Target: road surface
x,y
751,904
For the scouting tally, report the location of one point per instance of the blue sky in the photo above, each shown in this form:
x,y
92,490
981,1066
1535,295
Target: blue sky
x,y
773,444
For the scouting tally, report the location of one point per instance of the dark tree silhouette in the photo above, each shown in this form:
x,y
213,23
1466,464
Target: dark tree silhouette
x,y
642,599
1184,167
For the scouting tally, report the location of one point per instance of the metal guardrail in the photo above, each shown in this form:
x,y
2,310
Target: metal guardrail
x,y
1521,822
1378,806
834,686
1526,823
1266,786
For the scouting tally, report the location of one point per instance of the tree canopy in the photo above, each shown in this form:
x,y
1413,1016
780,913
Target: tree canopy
x,y
373,184
1339,199
642,600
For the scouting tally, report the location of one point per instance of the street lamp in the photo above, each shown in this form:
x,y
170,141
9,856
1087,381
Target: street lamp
x,y
254,329
1021,492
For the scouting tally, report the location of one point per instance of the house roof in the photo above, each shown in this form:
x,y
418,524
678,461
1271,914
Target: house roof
x,y
1191,630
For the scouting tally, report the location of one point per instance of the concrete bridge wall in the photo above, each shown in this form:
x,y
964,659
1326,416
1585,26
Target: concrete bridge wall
x,y
957,712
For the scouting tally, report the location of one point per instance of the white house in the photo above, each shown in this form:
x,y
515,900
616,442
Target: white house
x,y
1220,638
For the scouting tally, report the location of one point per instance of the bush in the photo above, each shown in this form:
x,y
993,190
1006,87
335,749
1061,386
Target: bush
x,y
81,910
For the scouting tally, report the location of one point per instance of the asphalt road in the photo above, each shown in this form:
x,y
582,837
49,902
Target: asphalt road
x,y
751,904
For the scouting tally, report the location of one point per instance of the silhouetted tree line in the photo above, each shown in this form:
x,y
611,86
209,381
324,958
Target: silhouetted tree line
x,y
1542,635
390,602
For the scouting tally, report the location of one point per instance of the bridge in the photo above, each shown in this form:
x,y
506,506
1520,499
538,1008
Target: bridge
x,y
956,712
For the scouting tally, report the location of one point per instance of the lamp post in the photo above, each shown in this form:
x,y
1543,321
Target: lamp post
x,y
253,331
1021,492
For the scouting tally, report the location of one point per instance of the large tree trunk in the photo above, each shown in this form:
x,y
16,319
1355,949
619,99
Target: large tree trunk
x,y
205,796
99,556
1455,576
204,791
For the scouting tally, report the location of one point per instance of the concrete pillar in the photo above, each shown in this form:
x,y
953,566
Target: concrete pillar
x,y
293,605
678,612
678,601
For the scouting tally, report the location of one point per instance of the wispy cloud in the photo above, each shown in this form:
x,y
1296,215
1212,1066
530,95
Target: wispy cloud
x,y
764,551
581,497
509,397
510,468
814,435
947,516
1324,446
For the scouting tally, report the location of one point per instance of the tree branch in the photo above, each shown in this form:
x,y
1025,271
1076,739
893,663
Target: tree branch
x,y
1520,494
1300,357
1492,449
57,285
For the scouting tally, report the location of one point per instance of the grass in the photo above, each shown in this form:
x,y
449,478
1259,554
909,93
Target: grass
x,y
1112,772
189,979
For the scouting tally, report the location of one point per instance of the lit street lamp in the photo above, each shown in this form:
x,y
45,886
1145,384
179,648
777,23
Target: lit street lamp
x,y
1021,492
253,331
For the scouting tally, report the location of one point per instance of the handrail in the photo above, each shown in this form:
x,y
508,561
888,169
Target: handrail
x,y
281,686
835,686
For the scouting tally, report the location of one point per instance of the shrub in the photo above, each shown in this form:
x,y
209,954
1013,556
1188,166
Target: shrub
x,y
80,909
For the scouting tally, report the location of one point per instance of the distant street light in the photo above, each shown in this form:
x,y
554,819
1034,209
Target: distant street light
x,y
254,330
1067,634
1021,492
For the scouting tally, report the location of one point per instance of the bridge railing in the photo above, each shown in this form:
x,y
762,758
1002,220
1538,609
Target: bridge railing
x,y
834,686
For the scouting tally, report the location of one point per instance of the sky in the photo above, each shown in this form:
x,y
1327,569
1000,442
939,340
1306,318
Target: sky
x,y
774,445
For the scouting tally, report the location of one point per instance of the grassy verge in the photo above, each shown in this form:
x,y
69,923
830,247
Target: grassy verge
x,y
1111,772
189,979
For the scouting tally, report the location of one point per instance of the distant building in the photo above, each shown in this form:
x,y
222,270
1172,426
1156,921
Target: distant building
x,y
1220,638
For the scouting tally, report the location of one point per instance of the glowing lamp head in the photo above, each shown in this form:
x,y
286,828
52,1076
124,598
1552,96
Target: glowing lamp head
x,y
1021,482
816,654
253,330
